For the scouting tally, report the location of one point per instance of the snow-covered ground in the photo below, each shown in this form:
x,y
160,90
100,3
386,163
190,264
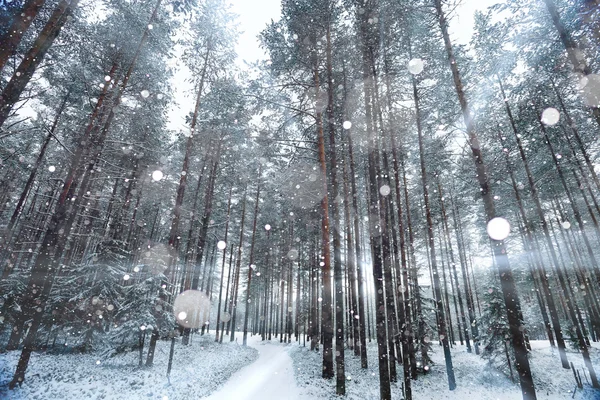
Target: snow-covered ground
x,y
198,370
274,371
271,377
476,380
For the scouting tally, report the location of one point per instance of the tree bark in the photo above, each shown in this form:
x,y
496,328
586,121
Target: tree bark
x,y
223,267
12,91
441,319
21,23
509,290
337,232
326,309
251,262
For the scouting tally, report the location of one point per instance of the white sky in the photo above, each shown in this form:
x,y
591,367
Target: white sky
x,y
252,18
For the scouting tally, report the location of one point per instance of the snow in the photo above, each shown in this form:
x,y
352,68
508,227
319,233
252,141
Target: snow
x,y
550,116
476,379
198,370
270,377
416,66
157,175
498,228
271,370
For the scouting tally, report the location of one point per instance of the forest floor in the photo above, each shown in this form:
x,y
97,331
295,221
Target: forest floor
x,y
476,378
271,377
197,372
272,370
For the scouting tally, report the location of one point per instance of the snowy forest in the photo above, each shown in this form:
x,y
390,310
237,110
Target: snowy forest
x,y
396,199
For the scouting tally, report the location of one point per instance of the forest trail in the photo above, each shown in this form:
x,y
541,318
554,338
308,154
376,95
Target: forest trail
x,y
270,377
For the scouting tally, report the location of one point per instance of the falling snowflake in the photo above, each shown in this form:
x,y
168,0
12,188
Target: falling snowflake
x,y
550,116
498,228
384,190
415,66
157,175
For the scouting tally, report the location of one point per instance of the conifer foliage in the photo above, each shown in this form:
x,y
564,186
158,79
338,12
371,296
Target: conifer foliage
x,y
381,175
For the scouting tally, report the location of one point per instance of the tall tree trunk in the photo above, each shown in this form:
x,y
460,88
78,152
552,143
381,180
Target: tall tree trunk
x,y
174,230
223,267
377,224
326,309
581,341
190,249
540,213
463,267
362,321
385,228
509,290
452,336
12,91
580,66
8,232
441,319
452,262
21,23
251,262
351,266
227,295
43,271
236,279
205,221
337,232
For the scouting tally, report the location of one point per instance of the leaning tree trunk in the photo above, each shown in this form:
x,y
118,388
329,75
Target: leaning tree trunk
x,y
441,319
21,23
509,289
542,218
34,171
571,309
580,66
43,271
12,91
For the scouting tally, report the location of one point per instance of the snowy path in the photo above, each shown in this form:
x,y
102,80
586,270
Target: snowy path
x,y
270,377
